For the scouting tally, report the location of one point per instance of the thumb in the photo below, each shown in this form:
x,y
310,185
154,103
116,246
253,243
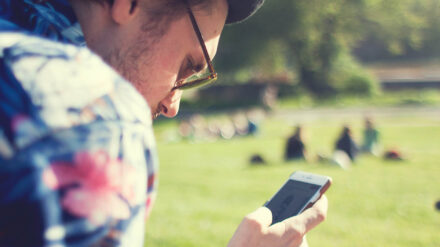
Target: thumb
x,y
262,215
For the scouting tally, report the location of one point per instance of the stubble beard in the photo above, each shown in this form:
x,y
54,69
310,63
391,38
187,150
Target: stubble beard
x,y
128,62
129,59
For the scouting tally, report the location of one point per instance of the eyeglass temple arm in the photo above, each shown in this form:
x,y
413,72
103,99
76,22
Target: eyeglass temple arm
x,y
200,37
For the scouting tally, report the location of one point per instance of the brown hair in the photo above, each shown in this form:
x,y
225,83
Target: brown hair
x,y
167,8
161,13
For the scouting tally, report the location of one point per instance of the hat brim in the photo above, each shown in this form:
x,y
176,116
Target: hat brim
x,y
240,10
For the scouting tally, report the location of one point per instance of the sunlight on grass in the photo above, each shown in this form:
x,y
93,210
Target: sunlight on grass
x,y
207,187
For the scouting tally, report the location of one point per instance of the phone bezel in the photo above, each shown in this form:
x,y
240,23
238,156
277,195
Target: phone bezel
x,y
323,181
310,178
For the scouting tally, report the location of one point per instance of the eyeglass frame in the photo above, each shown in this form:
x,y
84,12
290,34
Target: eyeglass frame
x,y
213,75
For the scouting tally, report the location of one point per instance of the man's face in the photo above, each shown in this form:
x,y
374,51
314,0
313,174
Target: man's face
x,y
153,65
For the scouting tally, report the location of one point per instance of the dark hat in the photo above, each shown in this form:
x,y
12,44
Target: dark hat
x,y
239,10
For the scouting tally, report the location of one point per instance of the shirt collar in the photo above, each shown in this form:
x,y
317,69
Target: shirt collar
x,y
53,19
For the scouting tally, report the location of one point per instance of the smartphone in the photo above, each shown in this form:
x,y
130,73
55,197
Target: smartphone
x,y
300,192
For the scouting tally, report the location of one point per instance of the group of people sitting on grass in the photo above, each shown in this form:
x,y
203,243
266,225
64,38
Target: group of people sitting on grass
x,y
345,148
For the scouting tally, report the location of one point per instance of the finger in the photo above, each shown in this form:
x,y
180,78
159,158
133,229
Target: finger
x,y
310,218
262,215
292,230
321,204
304,242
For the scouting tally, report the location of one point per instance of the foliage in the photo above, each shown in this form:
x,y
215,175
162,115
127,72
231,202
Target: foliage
x,y
309,36
350,78
412,98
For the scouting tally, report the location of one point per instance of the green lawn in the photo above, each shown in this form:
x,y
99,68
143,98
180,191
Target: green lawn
x,y
207,187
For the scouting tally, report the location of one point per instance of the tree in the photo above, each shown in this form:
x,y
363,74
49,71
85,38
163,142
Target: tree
x,y
313,37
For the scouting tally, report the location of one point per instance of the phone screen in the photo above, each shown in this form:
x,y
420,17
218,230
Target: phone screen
x,y
291,199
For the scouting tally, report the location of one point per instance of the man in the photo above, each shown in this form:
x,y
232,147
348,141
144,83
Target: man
x,y
295,148
77,152
371,138
346,143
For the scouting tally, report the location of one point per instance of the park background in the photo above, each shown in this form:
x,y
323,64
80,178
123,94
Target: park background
x,y
321,64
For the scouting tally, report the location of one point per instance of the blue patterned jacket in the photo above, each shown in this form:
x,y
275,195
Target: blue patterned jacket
x,y
77,152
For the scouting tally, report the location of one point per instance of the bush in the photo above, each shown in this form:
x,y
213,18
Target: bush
x,y
360,85
349,77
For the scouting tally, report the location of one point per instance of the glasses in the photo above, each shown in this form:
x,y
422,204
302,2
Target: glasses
x,y
202,78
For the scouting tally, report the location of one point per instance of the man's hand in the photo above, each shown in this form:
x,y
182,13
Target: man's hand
x,y
255,229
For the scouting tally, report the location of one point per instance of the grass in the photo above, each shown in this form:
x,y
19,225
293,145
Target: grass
x,y
207,187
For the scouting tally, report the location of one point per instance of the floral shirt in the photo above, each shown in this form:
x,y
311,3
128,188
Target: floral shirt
x,y
77,151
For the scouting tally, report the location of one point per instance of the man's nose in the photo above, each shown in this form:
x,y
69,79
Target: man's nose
x,y
170,105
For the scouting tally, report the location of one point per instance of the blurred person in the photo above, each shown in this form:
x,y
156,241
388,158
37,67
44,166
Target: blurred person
x,y
199,126
371,138
227,129
240,124
252,127
80,83
254,117
295,147
269,97
186,130
214,128
346,143
437,205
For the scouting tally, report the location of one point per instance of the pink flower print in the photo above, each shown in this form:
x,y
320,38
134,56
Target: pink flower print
x,y
106,187
17,120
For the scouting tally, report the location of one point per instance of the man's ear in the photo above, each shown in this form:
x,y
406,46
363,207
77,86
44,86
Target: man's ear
x,y
123,11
